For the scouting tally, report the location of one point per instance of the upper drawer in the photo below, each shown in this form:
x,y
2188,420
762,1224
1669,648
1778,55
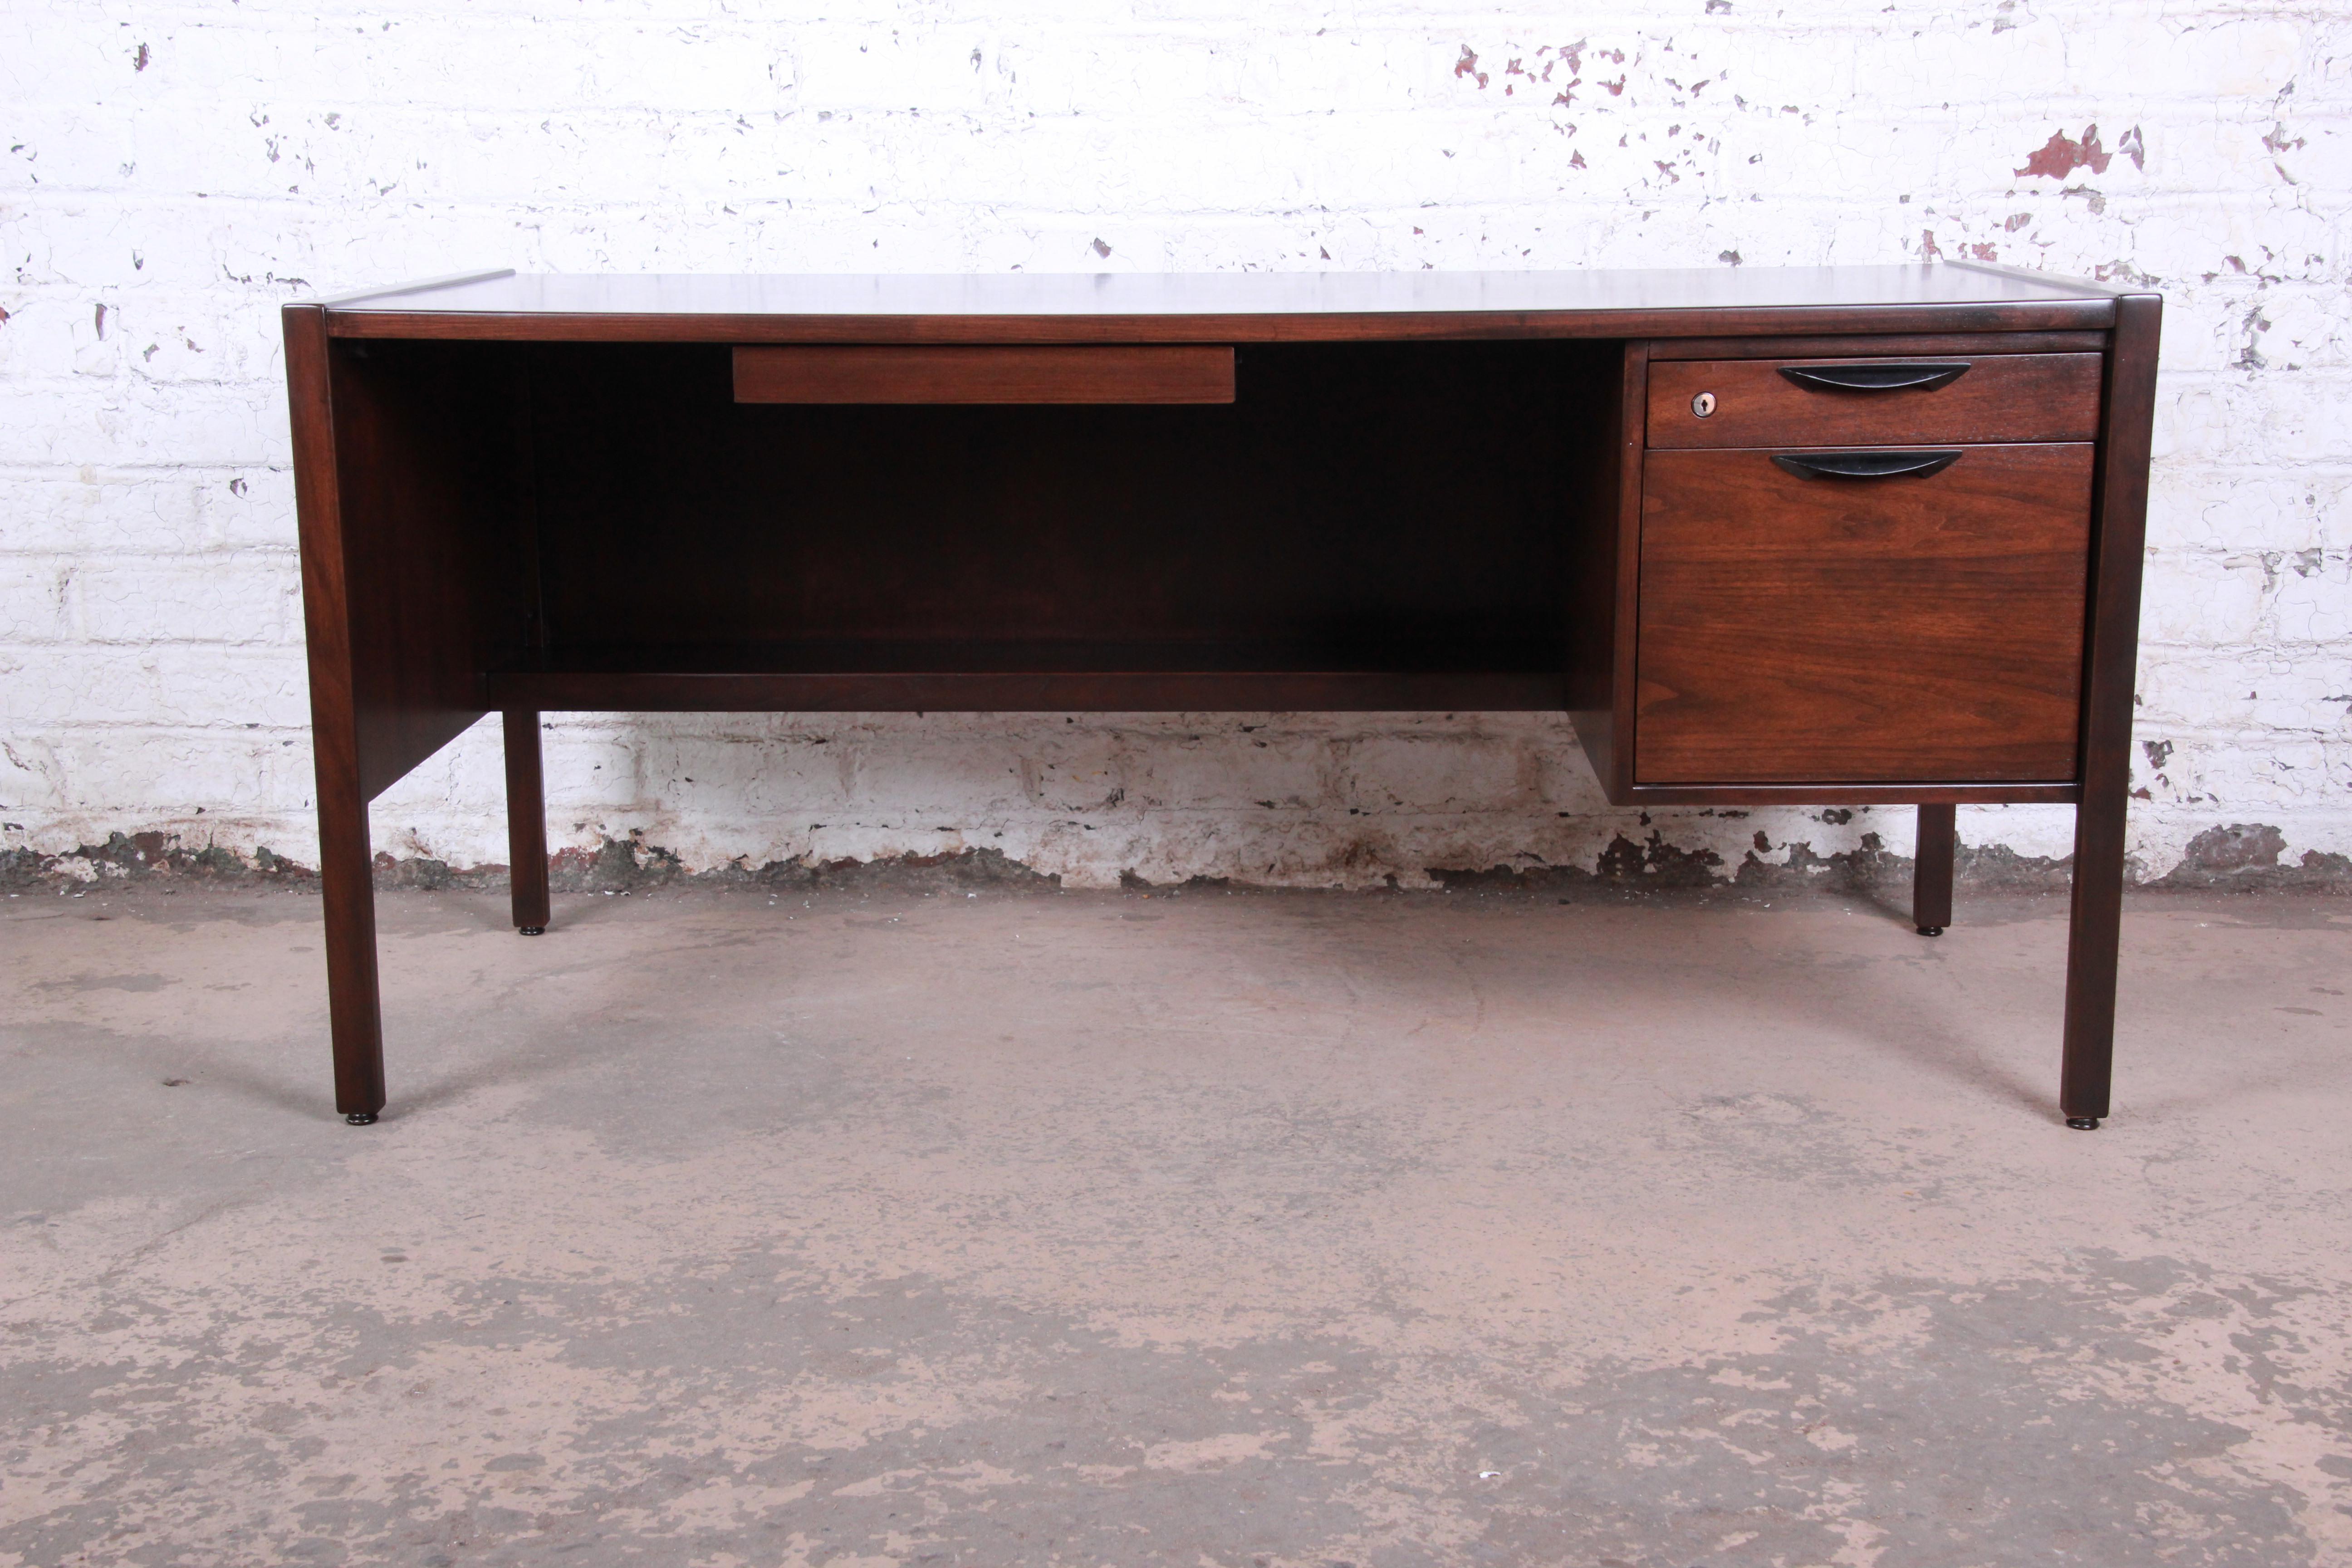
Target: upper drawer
x,y
1864,402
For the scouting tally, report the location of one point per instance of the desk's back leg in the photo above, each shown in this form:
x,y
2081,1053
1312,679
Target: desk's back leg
x,y
346,882
526,823
1931,870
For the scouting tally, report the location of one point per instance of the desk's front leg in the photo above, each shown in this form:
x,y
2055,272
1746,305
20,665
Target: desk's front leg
x,y
346,879
2093,939
346,872
2095,930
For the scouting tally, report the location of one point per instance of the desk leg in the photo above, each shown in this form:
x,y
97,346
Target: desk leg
x,y
2110,675
347,886
2093,936
1931,870
526,823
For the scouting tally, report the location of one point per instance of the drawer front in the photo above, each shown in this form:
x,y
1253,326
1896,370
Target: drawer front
x,y
1922,628
1805,402
1110,373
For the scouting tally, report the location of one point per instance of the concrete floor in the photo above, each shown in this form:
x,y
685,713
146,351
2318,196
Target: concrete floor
x,y
1280,1230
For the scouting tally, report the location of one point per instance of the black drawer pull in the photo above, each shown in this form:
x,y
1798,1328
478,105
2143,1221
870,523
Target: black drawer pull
x,y
1876,377
1866,465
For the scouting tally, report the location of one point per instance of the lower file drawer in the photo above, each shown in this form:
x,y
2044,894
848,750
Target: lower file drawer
x,y
1820,616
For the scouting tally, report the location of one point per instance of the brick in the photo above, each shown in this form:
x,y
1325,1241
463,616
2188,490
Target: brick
x,y
148,607
249,598
1233,771
1439,772
222,686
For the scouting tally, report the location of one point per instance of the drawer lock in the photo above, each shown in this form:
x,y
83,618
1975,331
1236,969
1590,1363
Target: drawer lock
x,y
1703,404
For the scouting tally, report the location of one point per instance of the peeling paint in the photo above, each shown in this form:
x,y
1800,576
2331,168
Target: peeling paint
x,y
150,631
2062,154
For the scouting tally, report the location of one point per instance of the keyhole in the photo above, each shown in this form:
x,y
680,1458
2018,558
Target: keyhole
x,y
1703,404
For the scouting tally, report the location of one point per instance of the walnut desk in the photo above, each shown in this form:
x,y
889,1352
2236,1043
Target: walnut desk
x,y
1835,536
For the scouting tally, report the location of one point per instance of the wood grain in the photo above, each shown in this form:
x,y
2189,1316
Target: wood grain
x,y
1229,307
1030,374
1999,398
526,819
1106,691
1607,603
2095,922
1911,792
1858,345
355,1022
431,519
2072,313
1933,848
1407,492
872,296
1884,630
1406,497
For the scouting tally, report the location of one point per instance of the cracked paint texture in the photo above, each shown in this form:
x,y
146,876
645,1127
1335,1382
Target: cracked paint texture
x,y
169,179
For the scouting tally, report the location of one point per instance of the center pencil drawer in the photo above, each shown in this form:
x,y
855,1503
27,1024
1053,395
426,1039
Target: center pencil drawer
x,y
984,373
1865,402
1800,627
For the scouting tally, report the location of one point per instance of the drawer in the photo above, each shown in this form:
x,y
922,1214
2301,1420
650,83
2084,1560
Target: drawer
x,y
1917,628
1863,402
1109,372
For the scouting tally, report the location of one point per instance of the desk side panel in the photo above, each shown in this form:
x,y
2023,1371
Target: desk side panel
x,y
318,510
432,503
1607,552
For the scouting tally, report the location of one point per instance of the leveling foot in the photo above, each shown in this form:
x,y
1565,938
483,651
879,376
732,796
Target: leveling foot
x,y
2084,1123
532,930
1931,930
360,1118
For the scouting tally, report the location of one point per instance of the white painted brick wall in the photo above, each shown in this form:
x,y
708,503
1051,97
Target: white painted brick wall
x,y
173,172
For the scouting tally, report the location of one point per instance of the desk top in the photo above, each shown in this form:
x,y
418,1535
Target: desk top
x,y
1226,307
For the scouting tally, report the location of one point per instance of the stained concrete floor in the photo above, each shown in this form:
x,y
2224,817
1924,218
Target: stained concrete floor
x,y
1234,1229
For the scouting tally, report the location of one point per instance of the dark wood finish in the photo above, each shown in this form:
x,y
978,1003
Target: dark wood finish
x,y
406,497
1229,307
1890,345
346,887
1797,630
1774,292
2068,315
2000,397
1119,685
1909,793
525,820
2111,668
1610,593
1300,514
1597,457
1427,492
432,520
1931,869
1021,373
